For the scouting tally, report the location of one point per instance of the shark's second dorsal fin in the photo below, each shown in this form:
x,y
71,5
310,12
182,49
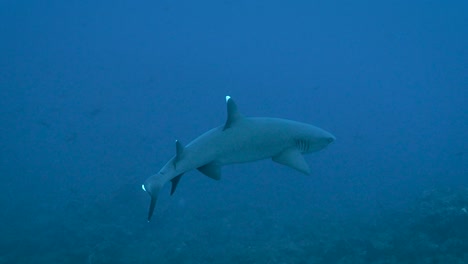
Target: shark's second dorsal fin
x,y
232,114
179,152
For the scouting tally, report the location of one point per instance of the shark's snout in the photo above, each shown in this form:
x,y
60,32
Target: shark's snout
x,y
324,140
327,136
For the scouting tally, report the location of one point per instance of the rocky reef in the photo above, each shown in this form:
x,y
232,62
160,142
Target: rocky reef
x,y
433,229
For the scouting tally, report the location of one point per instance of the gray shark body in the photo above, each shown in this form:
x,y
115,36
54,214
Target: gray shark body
x,y
240,139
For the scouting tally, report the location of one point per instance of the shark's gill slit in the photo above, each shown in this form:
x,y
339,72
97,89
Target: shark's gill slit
x,y
303,145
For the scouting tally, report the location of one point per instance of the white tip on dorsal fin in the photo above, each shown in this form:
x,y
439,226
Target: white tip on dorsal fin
x,y
232,114
179,151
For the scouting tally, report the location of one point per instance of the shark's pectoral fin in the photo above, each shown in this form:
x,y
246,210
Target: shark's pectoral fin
x,y
212,170
293,158
232,113
174,182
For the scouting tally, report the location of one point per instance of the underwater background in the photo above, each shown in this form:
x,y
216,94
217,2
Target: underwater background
x,y
94,93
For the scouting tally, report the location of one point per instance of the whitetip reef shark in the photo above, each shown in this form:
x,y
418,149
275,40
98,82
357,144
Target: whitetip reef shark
x,y
241,139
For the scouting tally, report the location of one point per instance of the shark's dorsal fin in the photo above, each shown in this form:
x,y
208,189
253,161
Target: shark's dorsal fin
x,y
292,158
212,170
174,182
179,152
232,114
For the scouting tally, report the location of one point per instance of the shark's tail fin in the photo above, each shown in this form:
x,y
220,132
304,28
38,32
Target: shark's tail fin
x,y
153,190
154,198
153,185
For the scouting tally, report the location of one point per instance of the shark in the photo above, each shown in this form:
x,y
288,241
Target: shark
x,y
239,140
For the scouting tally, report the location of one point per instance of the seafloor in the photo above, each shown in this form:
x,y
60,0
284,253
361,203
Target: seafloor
x,y
433,229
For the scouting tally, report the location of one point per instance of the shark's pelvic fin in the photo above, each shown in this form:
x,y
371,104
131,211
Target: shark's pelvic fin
x,y
232,114
179,152
293,158
212,170
174,182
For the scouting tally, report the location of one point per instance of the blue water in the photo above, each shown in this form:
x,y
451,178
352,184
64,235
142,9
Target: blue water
x,y
94,93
